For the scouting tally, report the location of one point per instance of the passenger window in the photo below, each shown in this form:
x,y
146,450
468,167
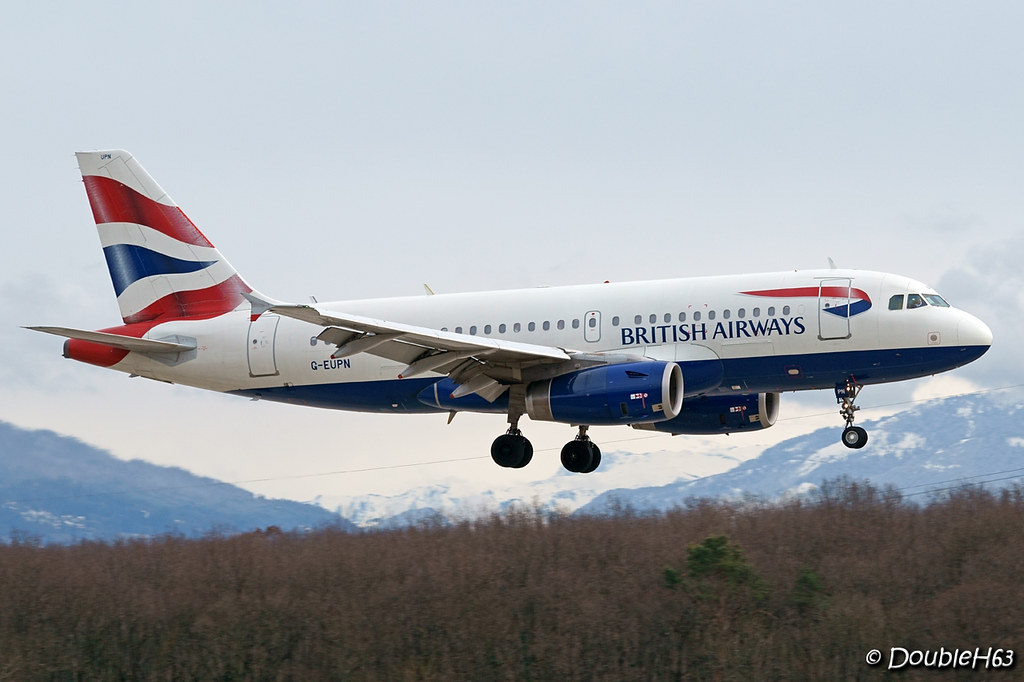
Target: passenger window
x,y
615,321
771,311
561,324
726,314
575,324
682,317
915,301
785,310
502,328
517,327
592,322
696,316
532,326
546,325
458,330
741,313
896,302
638,320
757,312
711,314
472,330
654,318
668,317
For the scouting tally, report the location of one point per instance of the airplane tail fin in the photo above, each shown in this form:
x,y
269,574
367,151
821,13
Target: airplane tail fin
x,y
160,264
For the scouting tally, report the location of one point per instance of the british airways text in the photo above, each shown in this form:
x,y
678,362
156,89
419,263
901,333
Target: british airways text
x,y
704,331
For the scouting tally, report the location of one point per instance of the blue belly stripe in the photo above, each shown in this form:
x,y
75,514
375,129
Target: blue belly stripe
x,y
752,375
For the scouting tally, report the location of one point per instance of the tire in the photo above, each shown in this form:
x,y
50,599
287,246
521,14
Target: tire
x,y
855,437
577,456
509,451
527,454
595,459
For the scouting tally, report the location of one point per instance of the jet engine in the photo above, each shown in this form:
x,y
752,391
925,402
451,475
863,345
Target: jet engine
x,y
721,414
626,393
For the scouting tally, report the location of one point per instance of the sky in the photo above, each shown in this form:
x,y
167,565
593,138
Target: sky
x,y
358,150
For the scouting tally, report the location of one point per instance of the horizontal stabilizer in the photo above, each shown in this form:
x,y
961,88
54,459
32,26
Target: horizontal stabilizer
x,y
129,343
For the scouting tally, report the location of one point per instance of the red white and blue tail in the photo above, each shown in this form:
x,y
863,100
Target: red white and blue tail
x,y
161,265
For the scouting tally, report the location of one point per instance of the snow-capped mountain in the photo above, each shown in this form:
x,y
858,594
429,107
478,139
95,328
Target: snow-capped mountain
x,y
58,489
61,490
936,444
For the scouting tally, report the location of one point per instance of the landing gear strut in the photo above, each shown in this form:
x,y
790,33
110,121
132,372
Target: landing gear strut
x,y
581,455
853,436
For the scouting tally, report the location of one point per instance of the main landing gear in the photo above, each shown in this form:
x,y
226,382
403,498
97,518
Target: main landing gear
x,y
581,455
514,451
853,436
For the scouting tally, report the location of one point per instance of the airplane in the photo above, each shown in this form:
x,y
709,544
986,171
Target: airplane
x,y
699,355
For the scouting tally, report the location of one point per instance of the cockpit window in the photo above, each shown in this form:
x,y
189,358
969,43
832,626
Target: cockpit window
x,y
915,301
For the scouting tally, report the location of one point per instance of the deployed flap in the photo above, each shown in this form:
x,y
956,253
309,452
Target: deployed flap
x,y
129,343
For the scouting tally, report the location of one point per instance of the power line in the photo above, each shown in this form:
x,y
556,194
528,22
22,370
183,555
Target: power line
x,y
957,487
362,470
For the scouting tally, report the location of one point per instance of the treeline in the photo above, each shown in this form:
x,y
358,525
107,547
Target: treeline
x,y
800,590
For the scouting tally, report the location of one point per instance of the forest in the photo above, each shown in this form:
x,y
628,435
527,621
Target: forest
x,y
803,589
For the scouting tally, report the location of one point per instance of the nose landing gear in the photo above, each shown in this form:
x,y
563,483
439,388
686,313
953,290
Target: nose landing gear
x,y
853,436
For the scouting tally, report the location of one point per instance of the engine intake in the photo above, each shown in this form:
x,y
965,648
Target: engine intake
x,y
627,393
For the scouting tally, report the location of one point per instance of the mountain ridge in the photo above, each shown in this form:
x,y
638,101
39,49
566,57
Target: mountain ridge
x,y
59,489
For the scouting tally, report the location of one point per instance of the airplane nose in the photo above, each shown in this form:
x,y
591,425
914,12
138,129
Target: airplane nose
x,y
973,332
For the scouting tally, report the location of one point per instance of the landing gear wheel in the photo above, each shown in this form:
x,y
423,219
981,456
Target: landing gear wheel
x,y
512,451
578,456
595,459
855,437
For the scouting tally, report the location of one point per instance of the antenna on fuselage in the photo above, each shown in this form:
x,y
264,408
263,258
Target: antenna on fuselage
x,y
832,264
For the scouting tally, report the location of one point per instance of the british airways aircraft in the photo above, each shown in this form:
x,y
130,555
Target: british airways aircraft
x,y
681,356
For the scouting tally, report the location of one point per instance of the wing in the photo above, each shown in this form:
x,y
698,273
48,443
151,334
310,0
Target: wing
x,y
481,365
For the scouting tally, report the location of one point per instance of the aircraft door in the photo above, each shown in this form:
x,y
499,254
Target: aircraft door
x,y
262,333
592,326
834,299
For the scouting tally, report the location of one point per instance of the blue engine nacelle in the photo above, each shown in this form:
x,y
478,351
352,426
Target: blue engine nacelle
x,y
721,414
628,393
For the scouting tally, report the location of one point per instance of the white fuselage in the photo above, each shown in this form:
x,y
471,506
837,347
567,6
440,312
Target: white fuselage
x,y
762,332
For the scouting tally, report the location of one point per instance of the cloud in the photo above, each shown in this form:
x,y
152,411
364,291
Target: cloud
x,y
988,282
